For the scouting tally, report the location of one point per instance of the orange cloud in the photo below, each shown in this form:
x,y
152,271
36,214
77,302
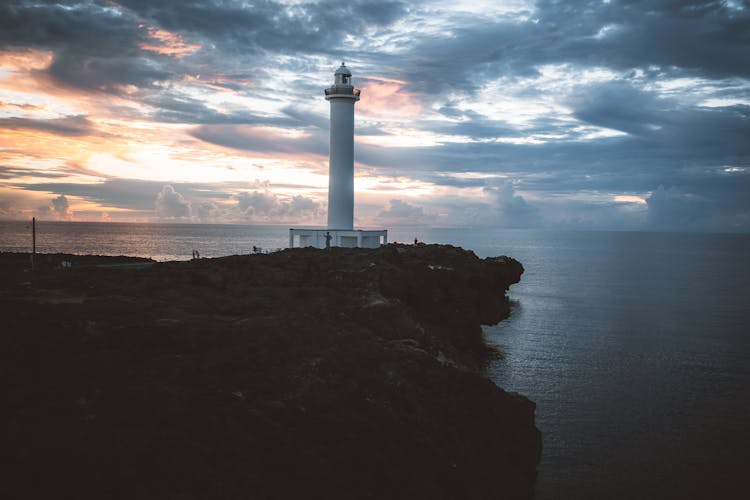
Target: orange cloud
x,y
26,59
168,43
384,96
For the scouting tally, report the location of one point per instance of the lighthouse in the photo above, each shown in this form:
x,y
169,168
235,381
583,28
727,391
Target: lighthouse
x,y
342,95
340,229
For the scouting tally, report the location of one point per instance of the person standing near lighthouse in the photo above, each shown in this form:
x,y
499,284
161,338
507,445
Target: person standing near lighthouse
x,y
342,96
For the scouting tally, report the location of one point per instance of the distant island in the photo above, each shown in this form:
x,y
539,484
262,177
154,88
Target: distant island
x,y
305,373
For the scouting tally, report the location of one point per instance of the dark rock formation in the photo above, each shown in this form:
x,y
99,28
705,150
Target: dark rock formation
x,y
347,373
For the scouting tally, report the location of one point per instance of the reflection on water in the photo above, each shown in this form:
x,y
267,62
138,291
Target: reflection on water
x,y
157,241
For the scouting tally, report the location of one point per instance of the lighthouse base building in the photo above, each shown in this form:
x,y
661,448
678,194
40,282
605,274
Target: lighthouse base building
x,y
349,238
340,232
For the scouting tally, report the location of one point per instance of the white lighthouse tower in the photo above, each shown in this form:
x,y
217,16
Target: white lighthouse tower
x,y
342,95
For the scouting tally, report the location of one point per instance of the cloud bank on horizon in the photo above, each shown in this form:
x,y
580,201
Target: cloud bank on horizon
x,y
582,114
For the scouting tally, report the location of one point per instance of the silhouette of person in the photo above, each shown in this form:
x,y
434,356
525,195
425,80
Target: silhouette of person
x,y
328,240
415,241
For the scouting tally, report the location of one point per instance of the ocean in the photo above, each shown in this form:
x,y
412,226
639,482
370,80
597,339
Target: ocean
x,y
635,346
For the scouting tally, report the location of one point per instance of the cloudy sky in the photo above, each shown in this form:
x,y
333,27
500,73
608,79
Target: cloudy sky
x,y
580,114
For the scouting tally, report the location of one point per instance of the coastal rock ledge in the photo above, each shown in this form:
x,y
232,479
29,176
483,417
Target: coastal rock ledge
x,y
341,373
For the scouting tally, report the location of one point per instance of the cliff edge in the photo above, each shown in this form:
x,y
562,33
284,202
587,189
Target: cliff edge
x,y
347,373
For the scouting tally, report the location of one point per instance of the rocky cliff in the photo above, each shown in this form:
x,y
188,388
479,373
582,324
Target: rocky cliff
x,y
348,373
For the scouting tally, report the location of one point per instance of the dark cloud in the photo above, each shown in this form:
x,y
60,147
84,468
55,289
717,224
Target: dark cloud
x,y
68,126
621,35
176,107
107,73
663,123
480,127
9,173
512,209
621,106
706,37
253,139
95,45
670,209
667,142
96,28
108,46
240,27
122,193
301,117
676,208
60,206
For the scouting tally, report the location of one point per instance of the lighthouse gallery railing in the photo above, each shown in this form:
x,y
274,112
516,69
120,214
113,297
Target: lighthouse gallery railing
x,y
342,90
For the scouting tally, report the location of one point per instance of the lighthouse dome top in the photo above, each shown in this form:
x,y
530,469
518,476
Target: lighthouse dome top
x,y
342,76
343,70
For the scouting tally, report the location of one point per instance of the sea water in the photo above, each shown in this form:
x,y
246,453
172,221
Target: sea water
x,y
156,241
636,349
635,346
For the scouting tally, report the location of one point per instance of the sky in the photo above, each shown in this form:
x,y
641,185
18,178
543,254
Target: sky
x,y
621,115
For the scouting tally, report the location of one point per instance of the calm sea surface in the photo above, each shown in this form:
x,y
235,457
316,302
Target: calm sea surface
x,y
635,346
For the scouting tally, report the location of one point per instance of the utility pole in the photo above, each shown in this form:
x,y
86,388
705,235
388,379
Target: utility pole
x,y
33,242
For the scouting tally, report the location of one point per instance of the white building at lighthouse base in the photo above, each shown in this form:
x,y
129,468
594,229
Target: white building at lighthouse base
x,y
349,238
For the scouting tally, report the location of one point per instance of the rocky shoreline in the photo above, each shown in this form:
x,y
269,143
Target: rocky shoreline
x,y
348,373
